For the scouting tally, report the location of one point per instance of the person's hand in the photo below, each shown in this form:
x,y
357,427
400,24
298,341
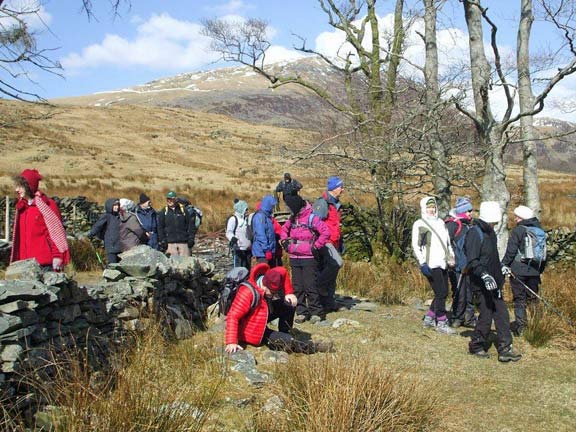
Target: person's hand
x,y
191,244
425,269
290,299
233,241
451,262
148,234
162,246
57,264
268,255
489,282
506,271
232,348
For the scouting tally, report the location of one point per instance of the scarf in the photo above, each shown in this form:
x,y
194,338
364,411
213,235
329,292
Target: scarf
x,y
53,223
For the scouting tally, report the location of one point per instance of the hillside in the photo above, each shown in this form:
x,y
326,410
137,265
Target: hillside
x,y
242,94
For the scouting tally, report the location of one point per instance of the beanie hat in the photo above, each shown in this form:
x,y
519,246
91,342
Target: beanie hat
x,y
334,182
32,177
490,212
524,212
171,195
126,204
294,203
240,206
463,205
287,176
144,198
274,279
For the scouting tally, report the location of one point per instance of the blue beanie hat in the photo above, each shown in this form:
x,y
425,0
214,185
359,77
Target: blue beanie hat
x,y
462,205
240,207
334,182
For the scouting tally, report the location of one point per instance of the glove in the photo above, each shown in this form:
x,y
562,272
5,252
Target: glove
x,y
506,271
57,264
285,243
233,241
268,255
489,282
425,269
191,244
162,246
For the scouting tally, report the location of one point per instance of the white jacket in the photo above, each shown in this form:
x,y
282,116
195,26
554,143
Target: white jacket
x,y
240,234
439,239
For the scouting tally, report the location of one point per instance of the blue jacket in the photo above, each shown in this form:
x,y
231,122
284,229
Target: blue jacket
x,y
149,220
107,228
263,228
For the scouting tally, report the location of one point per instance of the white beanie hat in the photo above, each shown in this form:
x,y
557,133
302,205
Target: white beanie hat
x,y
524,212
127,204
490,212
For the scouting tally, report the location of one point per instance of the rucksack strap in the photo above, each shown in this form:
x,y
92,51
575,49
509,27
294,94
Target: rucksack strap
x,y
255,294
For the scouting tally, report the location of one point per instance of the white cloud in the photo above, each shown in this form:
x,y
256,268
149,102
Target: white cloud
x,y
30,11
233,7
161,43
277,53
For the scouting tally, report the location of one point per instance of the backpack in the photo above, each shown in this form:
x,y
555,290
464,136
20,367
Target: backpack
x,y
196,214
233,280
533,248
458,246
320,208
249,229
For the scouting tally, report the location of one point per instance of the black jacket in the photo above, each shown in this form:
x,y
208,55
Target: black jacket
x,y
515,242
175,225
291,187
107,228
482,255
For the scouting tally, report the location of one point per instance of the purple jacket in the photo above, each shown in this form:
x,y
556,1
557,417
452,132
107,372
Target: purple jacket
x,y
306,232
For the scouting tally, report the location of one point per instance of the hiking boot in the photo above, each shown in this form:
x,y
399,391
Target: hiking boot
x,y
299,319
470,323
443,327
480,354
429,322
316,319
508,356
456,323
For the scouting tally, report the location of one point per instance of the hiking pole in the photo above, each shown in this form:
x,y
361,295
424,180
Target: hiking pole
x,y
98,257
545,302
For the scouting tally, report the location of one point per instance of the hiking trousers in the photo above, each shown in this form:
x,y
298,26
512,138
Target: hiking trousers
x,y
305,289
462,297
243,258
439,283
522,297
492,308
328,269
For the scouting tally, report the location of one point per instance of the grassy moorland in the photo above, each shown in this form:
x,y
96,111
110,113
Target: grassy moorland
x,y
387,372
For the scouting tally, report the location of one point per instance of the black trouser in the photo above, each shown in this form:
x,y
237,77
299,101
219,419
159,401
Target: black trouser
x,y
462,306
112,257
242,258
439,283
492,308
328,270
304,283
280,339
522,296
271,263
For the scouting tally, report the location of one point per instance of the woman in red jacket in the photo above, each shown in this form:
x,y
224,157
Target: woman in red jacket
x,y
38,230
247,325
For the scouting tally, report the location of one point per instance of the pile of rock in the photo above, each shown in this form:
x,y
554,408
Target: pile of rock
x,y
78,214
43,314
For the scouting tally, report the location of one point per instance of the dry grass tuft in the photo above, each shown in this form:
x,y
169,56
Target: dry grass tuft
x,y
85,255
349,393
384,279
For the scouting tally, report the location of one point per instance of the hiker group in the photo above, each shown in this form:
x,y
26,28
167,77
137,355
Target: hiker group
x,y
462,251
311,237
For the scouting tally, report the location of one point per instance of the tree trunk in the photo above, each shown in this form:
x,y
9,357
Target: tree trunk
x,y
394,63
489,131
438,151
526,98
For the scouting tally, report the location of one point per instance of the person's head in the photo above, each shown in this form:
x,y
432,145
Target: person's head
x,y
267,204
126,205
335,186
287,177
523,213
463,208
26,184
240,207
144,201
171,198
295,203
490,212
273,282
116,206
428,208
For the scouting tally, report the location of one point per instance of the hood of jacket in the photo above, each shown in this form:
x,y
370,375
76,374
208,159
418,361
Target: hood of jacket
x,y
109,204
423,213
267,204
534,222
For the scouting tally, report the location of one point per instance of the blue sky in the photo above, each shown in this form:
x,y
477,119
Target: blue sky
x,y
153,39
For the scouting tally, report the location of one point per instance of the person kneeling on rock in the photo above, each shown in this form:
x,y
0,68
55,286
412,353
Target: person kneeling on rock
x,y
247,323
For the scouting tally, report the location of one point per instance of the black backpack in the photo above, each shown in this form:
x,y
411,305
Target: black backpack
x,y
235,278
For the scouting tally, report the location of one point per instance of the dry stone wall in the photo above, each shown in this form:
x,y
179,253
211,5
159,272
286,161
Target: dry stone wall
x,y
44,313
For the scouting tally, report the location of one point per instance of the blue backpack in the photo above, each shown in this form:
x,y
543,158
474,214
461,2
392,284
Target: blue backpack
x,y
458,246
533,251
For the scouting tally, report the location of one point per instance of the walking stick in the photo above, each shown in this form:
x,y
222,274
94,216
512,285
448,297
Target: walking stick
x,y
545,302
